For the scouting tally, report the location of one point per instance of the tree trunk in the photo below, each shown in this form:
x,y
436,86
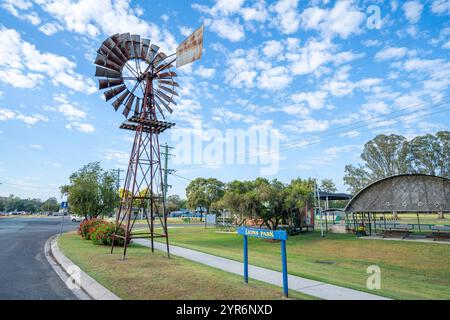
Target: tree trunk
x,y
441,215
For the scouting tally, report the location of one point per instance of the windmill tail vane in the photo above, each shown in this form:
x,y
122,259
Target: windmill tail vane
x,y
141,79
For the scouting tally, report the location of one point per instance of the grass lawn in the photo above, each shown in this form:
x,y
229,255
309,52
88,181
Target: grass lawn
x,y
146,275
408,270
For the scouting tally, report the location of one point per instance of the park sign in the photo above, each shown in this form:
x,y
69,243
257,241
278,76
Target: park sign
x,y
263,233
266,234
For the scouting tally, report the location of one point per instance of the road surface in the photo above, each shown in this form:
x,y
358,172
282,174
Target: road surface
x,y
24,270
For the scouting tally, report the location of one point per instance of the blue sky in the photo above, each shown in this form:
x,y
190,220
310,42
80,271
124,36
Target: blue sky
x,y
327,75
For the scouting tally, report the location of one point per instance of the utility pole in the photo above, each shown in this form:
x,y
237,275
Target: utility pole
x,y
118,183
118,179
167,171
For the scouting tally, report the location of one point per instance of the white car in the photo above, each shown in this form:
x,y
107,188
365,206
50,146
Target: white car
x,y
75,218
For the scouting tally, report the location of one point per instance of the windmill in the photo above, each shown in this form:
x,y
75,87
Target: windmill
x,y
140,78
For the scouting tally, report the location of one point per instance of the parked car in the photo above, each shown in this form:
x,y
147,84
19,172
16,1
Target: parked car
x,y
74,218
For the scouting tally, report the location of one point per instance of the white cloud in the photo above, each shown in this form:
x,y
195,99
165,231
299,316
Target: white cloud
x,y
311,56
374,107
316,100
50,28
343,19
223,115
186,31
391,53
350,134
92,18
440,6
274,78
272,48
256,13
413,10
15,7
29,120
206,73
120,157
36,146
82,127
24,66
286,16
53,164
227,28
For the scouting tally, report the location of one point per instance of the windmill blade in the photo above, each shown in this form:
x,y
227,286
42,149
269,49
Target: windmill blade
x,y
113,47
167,75
107,52
160,57
145,47
102,83
136,107
169,83
168,90
152,53
108,73
117,49
116,104
136,43
113,92
128,105
164,65
166,97
124,44
159,109
165,104
107,63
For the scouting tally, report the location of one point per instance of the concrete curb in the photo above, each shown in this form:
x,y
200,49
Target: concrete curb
x,y
92,288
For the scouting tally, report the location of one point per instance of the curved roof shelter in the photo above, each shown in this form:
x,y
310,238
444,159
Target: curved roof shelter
x,y
403,193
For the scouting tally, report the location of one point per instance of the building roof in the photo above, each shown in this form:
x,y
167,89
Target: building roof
x,y
334,196
403,193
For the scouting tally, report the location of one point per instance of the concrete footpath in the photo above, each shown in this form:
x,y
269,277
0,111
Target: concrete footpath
x,y
311,287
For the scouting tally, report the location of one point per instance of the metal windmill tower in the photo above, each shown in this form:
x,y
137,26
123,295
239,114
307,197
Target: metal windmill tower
x,y
142,80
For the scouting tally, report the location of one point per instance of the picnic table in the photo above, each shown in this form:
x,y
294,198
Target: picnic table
x,y
403,231
440,232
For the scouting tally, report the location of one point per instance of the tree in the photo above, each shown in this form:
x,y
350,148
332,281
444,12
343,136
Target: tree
x,y
390,155
203,192
327,185
174,203
383,156
92,191
429,154
356,177
50,205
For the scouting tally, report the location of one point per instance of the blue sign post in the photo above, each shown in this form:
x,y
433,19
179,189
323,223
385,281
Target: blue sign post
x,y
64,205
266,234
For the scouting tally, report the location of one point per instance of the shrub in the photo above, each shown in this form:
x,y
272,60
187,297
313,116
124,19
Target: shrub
x,y
104,232
87,227
100,232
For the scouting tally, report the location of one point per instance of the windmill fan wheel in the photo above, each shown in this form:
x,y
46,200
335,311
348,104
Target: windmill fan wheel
x,y
124,64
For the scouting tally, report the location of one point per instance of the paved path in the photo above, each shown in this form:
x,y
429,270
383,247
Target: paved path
x,y
311,287
24,270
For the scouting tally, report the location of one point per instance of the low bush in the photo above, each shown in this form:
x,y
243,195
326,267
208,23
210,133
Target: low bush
x,y
104,232
100,232
87,227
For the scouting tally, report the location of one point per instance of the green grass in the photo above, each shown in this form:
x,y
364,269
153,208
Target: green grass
x,y
146,275
408,270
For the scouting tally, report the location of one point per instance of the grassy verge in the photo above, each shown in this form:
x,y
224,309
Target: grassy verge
x,y
408,270
146,275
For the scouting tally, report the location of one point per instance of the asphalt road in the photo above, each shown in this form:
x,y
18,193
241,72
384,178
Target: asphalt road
x,y
24,270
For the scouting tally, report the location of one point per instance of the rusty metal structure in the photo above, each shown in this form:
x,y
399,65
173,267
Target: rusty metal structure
x,y
403,193
142,80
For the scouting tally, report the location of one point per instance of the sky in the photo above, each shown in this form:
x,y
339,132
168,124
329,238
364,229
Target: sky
x,y
321,77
